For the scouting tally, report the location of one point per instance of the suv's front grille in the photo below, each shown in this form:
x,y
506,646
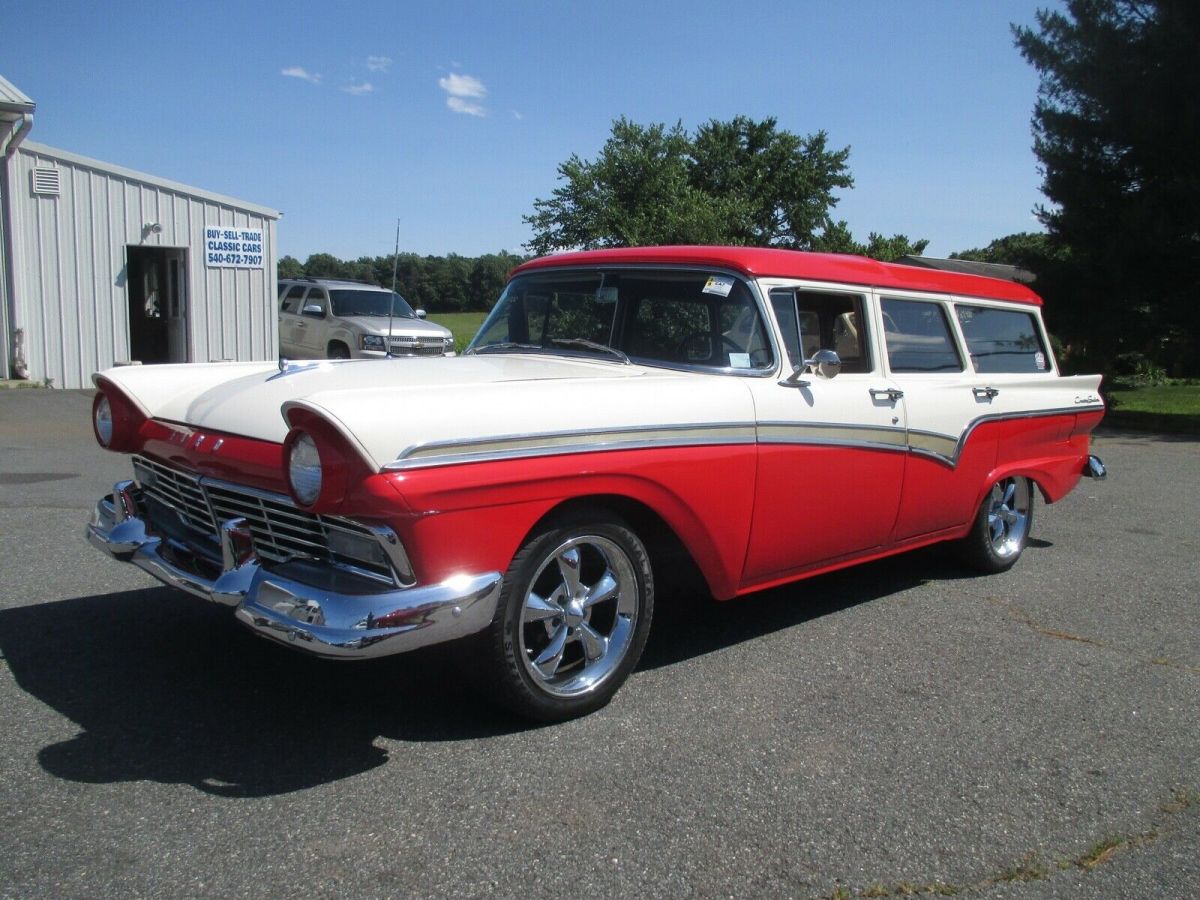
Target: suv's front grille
x,y
418,346
280,531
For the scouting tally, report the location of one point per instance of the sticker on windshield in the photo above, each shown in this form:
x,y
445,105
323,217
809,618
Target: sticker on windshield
x,y
1039,360
720,285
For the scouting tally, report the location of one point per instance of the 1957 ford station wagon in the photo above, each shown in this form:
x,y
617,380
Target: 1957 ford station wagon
x,y
763,415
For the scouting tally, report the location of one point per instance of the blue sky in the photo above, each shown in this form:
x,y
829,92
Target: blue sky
x,y
453,117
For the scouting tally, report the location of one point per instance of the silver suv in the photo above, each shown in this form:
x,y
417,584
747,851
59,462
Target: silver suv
x,y
323,318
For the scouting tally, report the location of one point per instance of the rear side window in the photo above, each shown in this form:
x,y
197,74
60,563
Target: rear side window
x,y
1002,340
918,337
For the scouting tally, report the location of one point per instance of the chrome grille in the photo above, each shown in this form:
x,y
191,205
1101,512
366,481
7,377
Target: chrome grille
x,y
179,490
279,530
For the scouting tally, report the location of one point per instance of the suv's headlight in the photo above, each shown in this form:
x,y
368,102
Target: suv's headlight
x,y
304,470
372,342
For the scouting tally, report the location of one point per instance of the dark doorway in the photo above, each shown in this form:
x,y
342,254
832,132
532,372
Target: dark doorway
x,y
158,303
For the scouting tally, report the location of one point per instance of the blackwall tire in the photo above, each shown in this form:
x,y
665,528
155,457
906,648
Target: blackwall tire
x,y
1002,526
572,620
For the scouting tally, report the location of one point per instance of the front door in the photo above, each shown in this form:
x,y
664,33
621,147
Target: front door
x,y
831,450
156,287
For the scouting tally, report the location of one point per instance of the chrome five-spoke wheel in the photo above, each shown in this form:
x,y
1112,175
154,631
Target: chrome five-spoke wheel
x,y
1008,515
573,616
1002,525
579,615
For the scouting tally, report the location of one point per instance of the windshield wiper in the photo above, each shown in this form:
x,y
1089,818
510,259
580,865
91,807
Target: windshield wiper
x,y
501,346
584,344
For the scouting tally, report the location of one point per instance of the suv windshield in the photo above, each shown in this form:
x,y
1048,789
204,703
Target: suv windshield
x,y
658,316
369,303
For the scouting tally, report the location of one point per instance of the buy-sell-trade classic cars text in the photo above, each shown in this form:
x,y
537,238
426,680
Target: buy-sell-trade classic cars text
x,y
755,415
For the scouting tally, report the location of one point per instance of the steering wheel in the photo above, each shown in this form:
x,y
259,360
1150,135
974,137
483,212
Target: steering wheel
x,y
683,349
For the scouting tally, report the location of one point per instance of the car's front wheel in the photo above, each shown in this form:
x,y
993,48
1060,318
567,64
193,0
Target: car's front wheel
x,y
1002,525
573,617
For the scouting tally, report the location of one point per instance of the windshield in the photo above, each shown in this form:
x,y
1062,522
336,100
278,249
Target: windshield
x,y
670,317
369,303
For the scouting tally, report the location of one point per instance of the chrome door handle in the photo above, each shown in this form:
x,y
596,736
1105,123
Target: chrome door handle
x,y
891,394
982,393
301,324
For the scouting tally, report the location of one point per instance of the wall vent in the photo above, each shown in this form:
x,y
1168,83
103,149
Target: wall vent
x,y
47,182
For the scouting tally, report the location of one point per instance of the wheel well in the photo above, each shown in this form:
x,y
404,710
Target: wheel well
x,y
675,568
336,343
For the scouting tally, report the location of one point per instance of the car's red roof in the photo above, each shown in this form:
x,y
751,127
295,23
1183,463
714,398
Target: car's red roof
x,y
770,262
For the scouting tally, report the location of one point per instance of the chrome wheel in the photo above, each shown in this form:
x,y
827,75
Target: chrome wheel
x,y
1008,508
579,615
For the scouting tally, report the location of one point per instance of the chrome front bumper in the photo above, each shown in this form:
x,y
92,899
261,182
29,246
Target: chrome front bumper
x,y
274,604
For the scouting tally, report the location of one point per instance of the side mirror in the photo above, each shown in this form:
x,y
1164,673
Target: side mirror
x,y
825,363
315,310
420,313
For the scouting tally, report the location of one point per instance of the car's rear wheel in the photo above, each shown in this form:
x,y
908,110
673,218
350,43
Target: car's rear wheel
x,y
1002,525
573,617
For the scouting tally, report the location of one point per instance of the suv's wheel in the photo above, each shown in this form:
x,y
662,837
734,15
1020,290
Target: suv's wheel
x,y
1002,526
572,619
337,350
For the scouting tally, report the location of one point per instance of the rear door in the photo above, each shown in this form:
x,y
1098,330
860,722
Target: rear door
x,y
946,462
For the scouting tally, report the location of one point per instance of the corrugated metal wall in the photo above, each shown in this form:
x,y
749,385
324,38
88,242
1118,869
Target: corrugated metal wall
x,y
69,266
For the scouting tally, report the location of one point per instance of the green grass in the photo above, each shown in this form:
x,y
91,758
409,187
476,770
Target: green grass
x,y
462,325
1173,407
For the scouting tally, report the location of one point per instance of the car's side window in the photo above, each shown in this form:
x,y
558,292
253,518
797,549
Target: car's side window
x,y
316,297
291,301
1002,340
815,320
917,336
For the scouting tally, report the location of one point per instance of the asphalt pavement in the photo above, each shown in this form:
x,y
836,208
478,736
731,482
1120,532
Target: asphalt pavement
x,y
900,727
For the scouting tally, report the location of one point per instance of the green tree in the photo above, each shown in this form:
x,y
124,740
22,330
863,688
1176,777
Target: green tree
x,y
1117,131
739,182
290,267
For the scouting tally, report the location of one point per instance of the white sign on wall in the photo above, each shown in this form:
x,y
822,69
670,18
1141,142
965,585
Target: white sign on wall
x,y
236,248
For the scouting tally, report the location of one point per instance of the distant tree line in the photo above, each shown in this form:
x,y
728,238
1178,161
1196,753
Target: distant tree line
x,y
437,284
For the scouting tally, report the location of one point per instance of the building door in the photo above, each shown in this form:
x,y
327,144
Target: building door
x,y
158,304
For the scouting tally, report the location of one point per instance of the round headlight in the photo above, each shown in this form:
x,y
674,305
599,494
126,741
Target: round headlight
x,y
102,419
304,470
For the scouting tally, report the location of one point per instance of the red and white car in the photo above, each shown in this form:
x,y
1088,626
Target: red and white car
x,y
759,415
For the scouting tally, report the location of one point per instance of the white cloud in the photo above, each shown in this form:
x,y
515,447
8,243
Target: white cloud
x,y
302,73
517,115
359,89
463,93
466,107
379,63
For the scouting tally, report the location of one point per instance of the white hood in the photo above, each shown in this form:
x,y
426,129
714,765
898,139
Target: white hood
x,y
388,408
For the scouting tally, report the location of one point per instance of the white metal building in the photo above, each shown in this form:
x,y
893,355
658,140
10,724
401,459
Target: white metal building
x,y
101,264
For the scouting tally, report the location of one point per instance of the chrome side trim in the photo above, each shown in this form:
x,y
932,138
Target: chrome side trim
x,y
943,447
551,443
840,435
